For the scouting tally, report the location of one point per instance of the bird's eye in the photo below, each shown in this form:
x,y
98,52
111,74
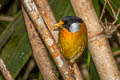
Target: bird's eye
x,y
74,27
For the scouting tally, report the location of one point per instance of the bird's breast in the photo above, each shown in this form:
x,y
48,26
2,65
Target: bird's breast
x,y
71,43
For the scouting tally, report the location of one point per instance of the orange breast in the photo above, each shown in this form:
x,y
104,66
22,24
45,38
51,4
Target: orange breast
x,y
72,43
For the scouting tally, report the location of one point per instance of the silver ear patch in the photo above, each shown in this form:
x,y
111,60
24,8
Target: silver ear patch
x,y
74,27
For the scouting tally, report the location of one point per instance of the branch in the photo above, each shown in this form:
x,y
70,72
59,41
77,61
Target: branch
x,y
39,51
48,39
77,73
47,15
98,45
116,53
6,18
5,71
31,65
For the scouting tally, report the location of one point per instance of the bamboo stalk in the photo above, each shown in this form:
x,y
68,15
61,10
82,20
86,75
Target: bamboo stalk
x,y
5,71
98,44
78,75
48,16
48,39
39,51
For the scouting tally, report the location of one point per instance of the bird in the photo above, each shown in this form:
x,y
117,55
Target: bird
x,y
72,37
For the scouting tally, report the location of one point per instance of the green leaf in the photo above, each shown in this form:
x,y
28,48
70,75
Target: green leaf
x,y
18,50
61,8
40,76
93,71
10,29
88,59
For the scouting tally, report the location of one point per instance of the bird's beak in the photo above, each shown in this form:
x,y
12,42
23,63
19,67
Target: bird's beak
x,y
58,25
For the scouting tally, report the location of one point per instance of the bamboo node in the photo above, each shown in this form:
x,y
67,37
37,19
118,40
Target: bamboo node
x,y
96,36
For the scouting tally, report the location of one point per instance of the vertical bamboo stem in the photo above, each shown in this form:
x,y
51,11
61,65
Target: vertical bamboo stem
x,y
98,44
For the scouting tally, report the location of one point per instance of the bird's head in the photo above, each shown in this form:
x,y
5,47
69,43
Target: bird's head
x,y
71,23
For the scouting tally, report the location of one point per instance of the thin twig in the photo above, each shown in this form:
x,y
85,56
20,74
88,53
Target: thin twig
x,y
118,60
118,12
103,11
116,17
5,71
111,8
29,68
111,28
116,53
6,18
118,25
77,73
